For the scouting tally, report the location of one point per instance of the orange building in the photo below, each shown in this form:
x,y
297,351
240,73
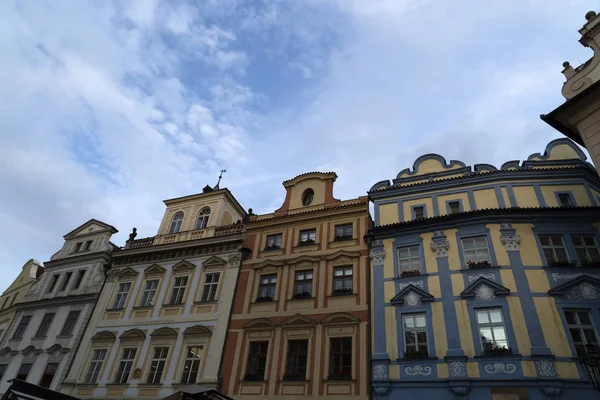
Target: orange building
x,y
299,324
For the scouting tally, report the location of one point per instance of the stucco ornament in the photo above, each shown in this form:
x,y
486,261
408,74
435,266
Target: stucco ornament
x,y
412,299
418,370
234,260
545,368
380,372
491,276
457,369
402,285
500,368
510,242
484,292
440,247
583,291
557,276
377,256
97,279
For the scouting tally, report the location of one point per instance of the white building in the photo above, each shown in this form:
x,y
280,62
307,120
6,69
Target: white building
x,y
49,321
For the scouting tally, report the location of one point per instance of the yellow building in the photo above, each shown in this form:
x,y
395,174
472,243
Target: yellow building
x,y
484,281
161,319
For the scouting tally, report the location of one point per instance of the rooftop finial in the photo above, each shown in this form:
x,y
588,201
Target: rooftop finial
x,y
219,181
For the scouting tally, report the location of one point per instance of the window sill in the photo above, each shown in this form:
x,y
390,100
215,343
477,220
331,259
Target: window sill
x,y
479,268
271,249
150,384
264,301
411,276
117,385
343,239
115,309
342,294
423,358
299,380
207,301
247,380
496,356
301,298
308,246
64,336
143,307
173,305
339,379
38,338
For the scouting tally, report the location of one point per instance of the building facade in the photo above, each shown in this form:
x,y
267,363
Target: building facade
x,y
579,116
485,281
50,318
161,320
299,326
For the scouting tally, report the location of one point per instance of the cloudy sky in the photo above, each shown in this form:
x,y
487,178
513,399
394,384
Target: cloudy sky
x,y
107,108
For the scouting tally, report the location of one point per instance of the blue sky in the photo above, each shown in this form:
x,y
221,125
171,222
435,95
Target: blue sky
x,y
108,108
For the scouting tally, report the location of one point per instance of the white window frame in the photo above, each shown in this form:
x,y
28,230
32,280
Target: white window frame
x,y
415,330
95,367
176,222
150,288
266,283
585,248
125,365
308,234
202,220
193,360
416,248
476,249
553,248
491,325
178,291
121,296
157,365
581,327
210,287
274,241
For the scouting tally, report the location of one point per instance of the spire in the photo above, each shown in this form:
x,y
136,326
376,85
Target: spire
x,y
219,181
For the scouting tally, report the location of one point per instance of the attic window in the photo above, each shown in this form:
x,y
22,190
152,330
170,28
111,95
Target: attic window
x,y
454,207
88,244
78,247
307,197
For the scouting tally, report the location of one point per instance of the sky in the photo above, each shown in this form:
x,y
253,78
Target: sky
x,y
109,107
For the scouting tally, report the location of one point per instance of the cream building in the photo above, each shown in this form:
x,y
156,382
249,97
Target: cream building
x,y
161,320
52,314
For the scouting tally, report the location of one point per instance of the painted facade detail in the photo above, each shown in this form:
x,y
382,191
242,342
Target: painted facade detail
x,y
380,372
545,368
484,292
560,277
500,368
584,291
420,284
457,369
474,277
412,299
440,247
377,256
418,370
510,242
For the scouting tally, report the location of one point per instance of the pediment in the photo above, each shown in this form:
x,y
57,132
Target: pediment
x,y
343,254
298,320
213,261
582,287
411,295
164,332
183,265
197,330
484,289
154,269
340,319
268,263
28,350
304,259
260,323
56,348
133,334
91,226
5,351
104,335
124,272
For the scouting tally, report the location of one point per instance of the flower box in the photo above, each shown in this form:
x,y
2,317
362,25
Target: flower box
x,y
264,299
495,350
478,264
306,242
342,292
273,247
413,272
562,263
416,354
302,295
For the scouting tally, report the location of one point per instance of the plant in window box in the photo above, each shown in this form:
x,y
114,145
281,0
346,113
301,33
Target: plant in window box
x,y
340,377
293,377
410,272
590,263
478,264
562,263
412,353
272,247
342,291
306,242
490,349
251,378
343,237
264,299
302,295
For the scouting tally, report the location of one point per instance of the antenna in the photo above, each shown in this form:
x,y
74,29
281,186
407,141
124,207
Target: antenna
x,y
219,181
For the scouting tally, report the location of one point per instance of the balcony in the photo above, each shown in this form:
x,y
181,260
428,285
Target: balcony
x,y
212,231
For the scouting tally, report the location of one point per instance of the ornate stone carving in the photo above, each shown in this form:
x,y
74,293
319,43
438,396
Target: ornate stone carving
x,y
500,368
402,285
545,368
234,260
417,370
377,256
510,242
457,369
472,278
412,299
584,291
558,276
440,247
380,372
484,292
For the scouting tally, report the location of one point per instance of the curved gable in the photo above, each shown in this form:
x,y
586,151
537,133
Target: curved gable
x,y
197,330
104,335
260,323
133,334
428,164
164,332
559,149
340,318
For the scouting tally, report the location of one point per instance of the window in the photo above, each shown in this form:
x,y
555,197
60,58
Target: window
x,y
307,197
178,290
274,242
148,293
343,232
125,365
297,355
257,361
46,322
342,280
581,329
409,258
69,325
24,371
157,366
95,366
415,335
303,284
48,375
340,358
454,207
266,287
176,223
191,365
564,200
14,298
65,282
586,248
3,368
211,283
22,327
475,250
5,301
1,332
88,245
122,293
52,285
308,236
78,247
492,331
202,220
554,249
78,279
419,212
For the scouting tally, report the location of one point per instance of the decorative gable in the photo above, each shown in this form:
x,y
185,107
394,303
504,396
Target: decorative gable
x,y
5,351
57,348
183,265
583,287
298,320
260,323
124,272
92,226
104,336
214,261
154,269
268,263
304,259
133,334
28,350
343,254
197,330
164,333
340,319
484,289
411,295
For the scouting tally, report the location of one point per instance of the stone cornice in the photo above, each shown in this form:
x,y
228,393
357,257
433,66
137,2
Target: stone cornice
x,y
97,256
54,302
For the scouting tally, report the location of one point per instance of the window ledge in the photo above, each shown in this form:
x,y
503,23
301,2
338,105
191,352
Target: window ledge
x,y
173,305
207,302
308,246
253,380
143,307
495,357
342,294
150,384
115,309
123,385
301,298
303,380
424,358
271,249
467,269
342,239
64,336
411,276
264,301
339,380
38,338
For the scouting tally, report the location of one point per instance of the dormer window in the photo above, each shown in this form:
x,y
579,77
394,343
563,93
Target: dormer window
x,y
176,223
202,220
307,197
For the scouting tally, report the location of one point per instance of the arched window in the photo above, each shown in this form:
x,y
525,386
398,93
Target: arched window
x,y
176,222
202,220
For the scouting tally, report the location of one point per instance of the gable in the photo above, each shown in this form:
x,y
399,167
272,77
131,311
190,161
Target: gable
x,y
260,323
268,263
343,254
484,289
91,226
411,296
213,261
28,274
560,149
154,269
583,287
340,318
124,272
183,265
304,259
197,330
298,320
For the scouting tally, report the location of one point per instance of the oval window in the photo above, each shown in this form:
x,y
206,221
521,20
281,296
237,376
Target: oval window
x,y
308,196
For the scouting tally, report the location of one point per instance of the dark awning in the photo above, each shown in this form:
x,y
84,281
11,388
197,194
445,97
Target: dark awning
x,y
28,391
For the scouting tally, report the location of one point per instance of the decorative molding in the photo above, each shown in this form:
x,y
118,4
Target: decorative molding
x,y
560,276
545,368
500,368
473,277
412,299
457,369
164,333
297,321
197,330
484,289
411,296
260,324
484,292
154,269
183,265
377,256
340,318
380,372
511,242
235,260
440,248
584,290
418,370
419,284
